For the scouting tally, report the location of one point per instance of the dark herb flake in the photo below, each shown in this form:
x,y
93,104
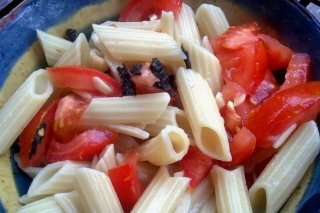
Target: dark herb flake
x,y
136,69
187,60
71,34
128,87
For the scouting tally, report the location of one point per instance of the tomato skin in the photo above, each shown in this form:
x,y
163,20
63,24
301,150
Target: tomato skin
x,y
45,115
82,147
231,91
125,180
81,78
284,108
196,166
297,71
232,121
141,10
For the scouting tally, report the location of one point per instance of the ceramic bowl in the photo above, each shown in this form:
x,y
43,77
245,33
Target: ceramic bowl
x,y
20,54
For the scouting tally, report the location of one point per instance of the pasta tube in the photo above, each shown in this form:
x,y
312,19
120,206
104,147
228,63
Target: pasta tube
x,y
22,107
96,60
285,170
46,205
230,190
184,204
203,114
201,194
152,25
209,205
69,202
167,23
107,159
168,147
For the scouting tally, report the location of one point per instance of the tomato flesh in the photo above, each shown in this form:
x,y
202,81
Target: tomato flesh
x,y
196,166
142,10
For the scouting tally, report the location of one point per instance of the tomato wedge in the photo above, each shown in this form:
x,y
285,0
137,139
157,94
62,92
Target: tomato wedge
x,y
81,78
196,166
125,180
82,148
284,108
142,10
297,71
36,136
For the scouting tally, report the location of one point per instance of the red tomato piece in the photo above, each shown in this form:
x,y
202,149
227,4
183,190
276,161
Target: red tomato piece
x,y
232,121
284,108
278,54
232,91
36,136
196,166
142,10
244,109
259,155
242,146
297,71
81,78
81,148
67,117
125,180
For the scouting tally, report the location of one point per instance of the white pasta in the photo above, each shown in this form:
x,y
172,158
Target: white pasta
x,y
25,199
211,20
203,114
230,190
124,143
123,44
186,25
128,109
206,44
96,60
167,23
55,178
162,194
168,147
284,136
209,206
120,158
152,25
53,46
69,202
77,54
171,116
184,204
46,205
285,170
205,63
30,171
101,86
96,191
201,194
22,107
107,159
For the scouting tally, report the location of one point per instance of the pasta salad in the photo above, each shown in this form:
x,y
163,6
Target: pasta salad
x,y
165,110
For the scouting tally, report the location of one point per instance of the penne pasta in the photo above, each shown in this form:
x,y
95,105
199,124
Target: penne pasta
x,y
230,190
184,203
138,109
211,20
123,44
205,63
167,23
77,54
186,25
107,159
46,205
96,60
274,185
96,191
209,205
69,202
171,116
162,194
23,106
53,46
201,194
203,114
25,199
55,178
168,147
152,25
206,44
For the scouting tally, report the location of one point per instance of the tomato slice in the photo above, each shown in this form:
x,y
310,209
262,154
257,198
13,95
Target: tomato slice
x,y
232,121
82,148
232,91
297,71
81,78
196,166
142,10
67,117
284,108
125,180
36,136
278,54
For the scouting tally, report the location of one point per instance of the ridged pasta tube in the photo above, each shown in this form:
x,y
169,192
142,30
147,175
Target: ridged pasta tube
x,y
152,25
167,23
139,45
201,194
203,114
55,178
186,25
230,190
205,63
22,107
25,199
96,191
107,159
282,175
53,46
211,20
125,110
168,147
209,206
77,54
46,205
184,204
70,202
96,60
